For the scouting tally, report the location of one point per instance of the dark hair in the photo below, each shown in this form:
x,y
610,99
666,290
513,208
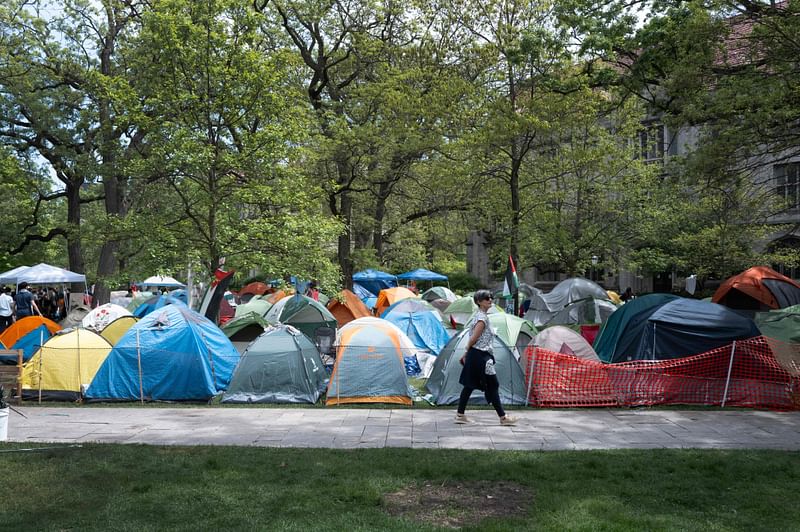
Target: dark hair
x,y
23,285
482,295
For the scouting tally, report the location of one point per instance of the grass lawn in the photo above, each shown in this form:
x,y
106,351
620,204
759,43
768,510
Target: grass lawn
x,y
128,487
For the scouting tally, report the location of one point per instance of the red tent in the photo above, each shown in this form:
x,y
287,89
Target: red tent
x,y
759,288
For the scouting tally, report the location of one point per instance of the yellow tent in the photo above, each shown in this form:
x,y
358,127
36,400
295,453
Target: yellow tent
x,y
63,364
117,329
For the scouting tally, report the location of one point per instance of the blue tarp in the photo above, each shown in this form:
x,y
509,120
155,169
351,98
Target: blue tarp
x,y
184,357
420,321
368,298
375,280
421,274
685,327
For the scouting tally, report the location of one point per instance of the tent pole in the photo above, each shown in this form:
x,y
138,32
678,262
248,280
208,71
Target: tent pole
x,y
139,359
79,363
728,379
41,358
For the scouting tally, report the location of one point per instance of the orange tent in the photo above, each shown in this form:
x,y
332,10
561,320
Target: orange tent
x,y
256,288
759,288
24,326
277,296
389,296
348,309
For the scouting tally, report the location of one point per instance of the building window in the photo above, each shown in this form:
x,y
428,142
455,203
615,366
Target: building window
x,y
787,184
651,143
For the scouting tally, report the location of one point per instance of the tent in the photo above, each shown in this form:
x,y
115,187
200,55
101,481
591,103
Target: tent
x,y
582,311
439,292
516,332
301,312
162,281
173,354
155,303
758,288
375,280
461,310
446,389
23,326
75,317
685,327
565,293
10,277
370,364
421,274
560,339
420,321
256,305
619,338
244,329
256,288
102,316
389,296
117,328
280,366
368,298
65,365
46,274
347,307
781,324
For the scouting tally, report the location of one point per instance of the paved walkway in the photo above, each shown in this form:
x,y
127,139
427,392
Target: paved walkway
x,y
344,428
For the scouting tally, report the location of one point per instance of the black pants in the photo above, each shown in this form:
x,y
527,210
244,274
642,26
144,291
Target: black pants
x,y
5,322
492,394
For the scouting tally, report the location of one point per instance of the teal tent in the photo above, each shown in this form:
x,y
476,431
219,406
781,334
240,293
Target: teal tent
x,y
244,329
619,337
443,382
782,324
301,312
280,366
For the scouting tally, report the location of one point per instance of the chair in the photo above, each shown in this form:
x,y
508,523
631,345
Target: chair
x,y
324,338
11,372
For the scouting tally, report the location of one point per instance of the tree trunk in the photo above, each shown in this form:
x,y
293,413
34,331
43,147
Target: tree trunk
x,y
380,213
74,251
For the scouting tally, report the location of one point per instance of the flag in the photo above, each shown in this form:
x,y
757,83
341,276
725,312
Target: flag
x,y
511,284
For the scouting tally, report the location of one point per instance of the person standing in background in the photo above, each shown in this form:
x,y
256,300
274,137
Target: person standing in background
x,y
6,309
25,303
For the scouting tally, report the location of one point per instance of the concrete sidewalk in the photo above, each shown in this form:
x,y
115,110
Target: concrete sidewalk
x,y
342,428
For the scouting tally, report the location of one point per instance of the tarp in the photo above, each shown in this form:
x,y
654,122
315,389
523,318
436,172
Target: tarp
x,y
282,365
210,306
45,273
445,388
64,364
368,298
560,339
390,296
255,288
619,338
370,365
421,274
162,281
758,288
244,329
100,317
115,330
421,322
375,280
685,327
565,293
347,307
301,312
439,292
183,356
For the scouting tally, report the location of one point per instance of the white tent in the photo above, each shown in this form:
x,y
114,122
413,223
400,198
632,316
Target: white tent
x,y
42,274
100,317
10,276
162,281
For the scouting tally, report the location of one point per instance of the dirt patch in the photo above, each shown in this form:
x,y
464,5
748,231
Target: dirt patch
x,y
457,504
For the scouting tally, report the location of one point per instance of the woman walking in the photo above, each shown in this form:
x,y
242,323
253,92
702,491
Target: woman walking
x,y
479,371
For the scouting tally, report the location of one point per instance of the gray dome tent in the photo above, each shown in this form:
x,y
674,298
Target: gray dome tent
x,y
446,389
280,366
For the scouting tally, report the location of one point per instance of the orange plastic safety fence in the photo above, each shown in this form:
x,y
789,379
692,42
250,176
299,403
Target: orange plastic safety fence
x,y
758,372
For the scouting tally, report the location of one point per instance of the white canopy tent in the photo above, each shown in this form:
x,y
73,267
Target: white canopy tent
x,y
10,277
162,281
41,274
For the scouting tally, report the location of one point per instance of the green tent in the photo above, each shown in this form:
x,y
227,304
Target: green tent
x,y
280,366
302,313
256,305
461,310
516,332
443,382
781,324
244,329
